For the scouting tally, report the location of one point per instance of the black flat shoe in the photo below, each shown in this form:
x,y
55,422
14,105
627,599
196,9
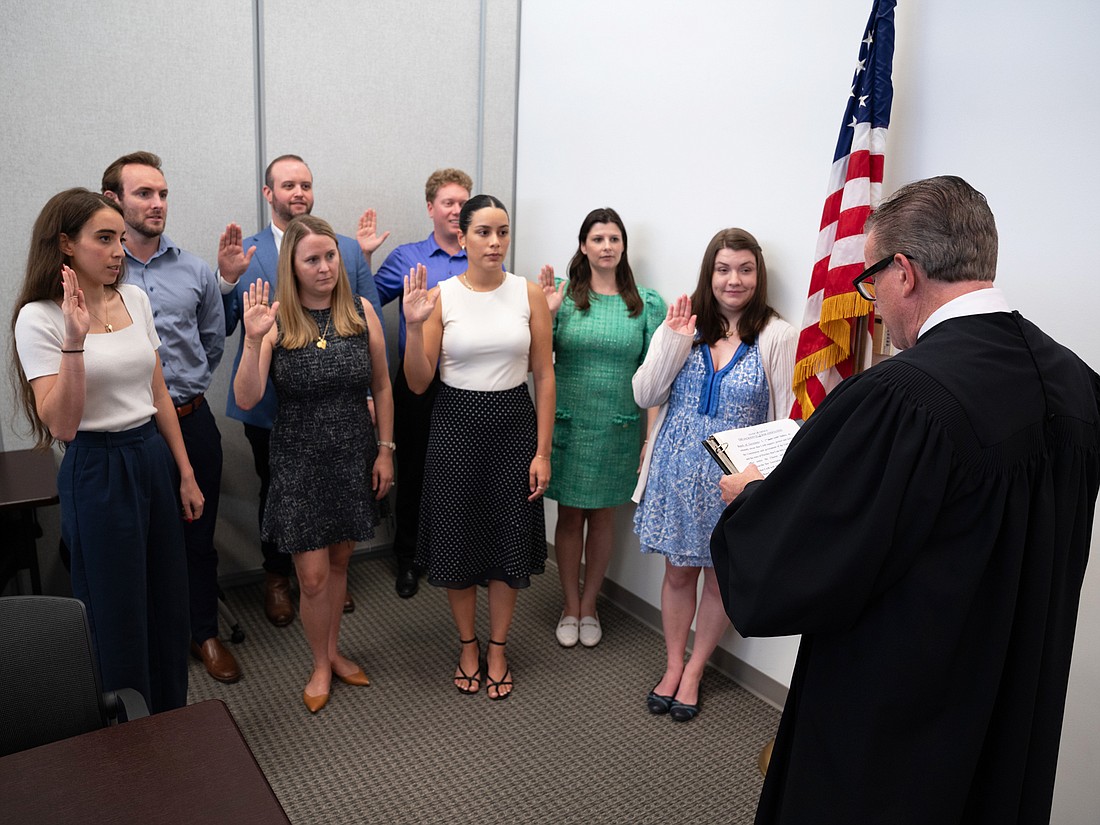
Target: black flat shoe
x,y
683,713
658,704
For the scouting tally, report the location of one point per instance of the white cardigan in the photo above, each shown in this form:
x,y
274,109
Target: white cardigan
x,y
668,352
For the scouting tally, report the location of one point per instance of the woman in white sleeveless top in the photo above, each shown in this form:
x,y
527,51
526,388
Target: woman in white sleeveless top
x,y
89,378
488,462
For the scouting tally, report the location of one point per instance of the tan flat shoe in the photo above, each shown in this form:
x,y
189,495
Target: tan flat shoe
x,y
358,678
314,703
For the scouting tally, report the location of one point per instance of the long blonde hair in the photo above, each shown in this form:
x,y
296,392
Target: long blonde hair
x,y
297,328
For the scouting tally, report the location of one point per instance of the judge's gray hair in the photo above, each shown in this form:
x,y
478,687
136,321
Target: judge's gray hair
x,y
944,224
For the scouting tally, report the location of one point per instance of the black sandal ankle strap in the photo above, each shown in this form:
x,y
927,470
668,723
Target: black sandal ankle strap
x,y
467,641
495,642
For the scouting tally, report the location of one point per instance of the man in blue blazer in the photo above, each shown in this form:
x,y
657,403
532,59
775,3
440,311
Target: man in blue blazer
x,y
288,189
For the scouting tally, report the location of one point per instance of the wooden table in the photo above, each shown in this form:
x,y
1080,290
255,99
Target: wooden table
x,y
185,765
28,480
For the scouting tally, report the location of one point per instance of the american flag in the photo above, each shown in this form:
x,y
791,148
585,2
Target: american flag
x,y
834,309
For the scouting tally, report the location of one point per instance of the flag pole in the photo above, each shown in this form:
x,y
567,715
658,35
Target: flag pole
x,y
860,344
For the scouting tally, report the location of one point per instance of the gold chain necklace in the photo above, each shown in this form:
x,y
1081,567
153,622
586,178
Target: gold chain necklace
x,y
321,342
462,280
106,324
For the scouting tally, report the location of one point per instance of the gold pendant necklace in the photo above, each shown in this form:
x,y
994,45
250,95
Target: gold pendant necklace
x,y
321,342
106,324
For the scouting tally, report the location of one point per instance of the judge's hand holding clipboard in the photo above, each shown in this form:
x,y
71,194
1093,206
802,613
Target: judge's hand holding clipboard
x,y
732,484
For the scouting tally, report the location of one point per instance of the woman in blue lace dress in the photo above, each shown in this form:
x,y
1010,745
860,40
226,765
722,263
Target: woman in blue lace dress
x,y
722,359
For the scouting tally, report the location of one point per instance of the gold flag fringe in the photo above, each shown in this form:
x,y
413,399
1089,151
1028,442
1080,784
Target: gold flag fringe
x,y
837,313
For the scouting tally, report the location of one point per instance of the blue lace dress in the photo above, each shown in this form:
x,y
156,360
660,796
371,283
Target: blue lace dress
x,y
682,503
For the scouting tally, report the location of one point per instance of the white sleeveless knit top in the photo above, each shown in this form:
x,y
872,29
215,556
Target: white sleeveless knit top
x,y
486,335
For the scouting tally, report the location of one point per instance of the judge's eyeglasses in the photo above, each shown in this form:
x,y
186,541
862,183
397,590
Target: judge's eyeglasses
x,y
865,283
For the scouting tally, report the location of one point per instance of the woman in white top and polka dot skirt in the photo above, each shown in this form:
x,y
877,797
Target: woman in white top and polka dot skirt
x,y
488,463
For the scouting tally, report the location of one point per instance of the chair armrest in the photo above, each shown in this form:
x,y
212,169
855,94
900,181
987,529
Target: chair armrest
x,y
129,701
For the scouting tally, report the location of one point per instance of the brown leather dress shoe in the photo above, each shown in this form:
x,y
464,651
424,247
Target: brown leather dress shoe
x,y
277,604
349,605
217,660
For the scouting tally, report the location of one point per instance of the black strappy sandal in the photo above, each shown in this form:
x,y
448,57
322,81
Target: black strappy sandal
x,y
492,683
465,677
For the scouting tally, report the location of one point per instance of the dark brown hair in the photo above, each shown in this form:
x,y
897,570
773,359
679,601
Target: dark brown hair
x,y
580,270
64,214
710,323
112,175
466,215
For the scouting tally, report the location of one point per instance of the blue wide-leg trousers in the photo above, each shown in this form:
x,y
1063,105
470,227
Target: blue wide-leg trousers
x,y
121,519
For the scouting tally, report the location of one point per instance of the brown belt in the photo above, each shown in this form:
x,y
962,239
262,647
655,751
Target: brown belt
x,y
190,406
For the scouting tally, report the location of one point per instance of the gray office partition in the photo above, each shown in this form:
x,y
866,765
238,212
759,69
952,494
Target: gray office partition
x,y
374,96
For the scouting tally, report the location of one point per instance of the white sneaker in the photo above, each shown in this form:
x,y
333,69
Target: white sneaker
x,y
567,631
590,631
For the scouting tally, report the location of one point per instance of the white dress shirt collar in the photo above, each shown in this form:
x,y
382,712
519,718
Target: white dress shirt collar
x,y
978,302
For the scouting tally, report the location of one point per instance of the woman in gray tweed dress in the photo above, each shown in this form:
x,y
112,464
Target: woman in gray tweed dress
x,y
319,343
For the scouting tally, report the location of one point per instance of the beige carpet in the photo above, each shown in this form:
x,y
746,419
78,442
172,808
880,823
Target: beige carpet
x,y
574,744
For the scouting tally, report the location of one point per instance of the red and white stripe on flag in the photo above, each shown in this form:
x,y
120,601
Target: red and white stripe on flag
x,y
835,313
833,308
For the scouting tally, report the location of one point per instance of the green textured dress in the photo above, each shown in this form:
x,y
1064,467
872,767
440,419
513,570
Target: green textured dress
x,y
598,427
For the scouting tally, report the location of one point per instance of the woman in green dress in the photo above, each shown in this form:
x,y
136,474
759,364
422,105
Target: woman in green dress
x,y
603,323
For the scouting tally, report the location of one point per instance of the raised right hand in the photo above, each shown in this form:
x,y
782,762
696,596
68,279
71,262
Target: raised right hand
x,y
258,317
233,261
367,235
554,294
679,318
77,318
417,300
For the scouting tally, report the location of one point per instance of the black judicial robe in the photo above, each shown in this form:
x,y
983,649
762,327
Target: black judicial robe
x,y
927,533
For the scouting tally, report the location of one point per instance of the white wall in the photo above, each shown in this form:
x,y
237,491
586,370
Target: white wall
x,y
693,116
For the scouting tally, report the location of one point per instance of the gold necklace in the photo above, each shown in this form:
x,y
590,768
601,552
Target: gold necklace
x,y
321,342
106,324
462,280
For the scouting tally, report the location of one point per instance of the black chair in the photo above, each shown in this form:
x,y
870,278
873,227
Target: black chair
x,y
49,683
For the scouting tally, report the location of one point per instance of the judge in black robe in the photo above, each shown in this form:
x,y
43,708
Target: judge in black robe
x,y
927,533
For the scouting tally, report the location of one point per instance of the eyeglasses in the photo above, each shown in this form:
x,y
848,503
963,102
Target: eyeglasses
x,y
865,283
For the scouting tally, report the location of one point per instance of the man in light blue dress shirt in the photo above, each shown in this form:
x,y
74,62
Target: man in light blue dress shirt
x,y
187,312
446,191
288,189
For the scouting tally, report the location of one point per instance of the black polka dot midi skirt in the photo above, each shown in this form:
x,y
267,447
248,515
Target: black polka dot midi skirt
x,y
476,523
